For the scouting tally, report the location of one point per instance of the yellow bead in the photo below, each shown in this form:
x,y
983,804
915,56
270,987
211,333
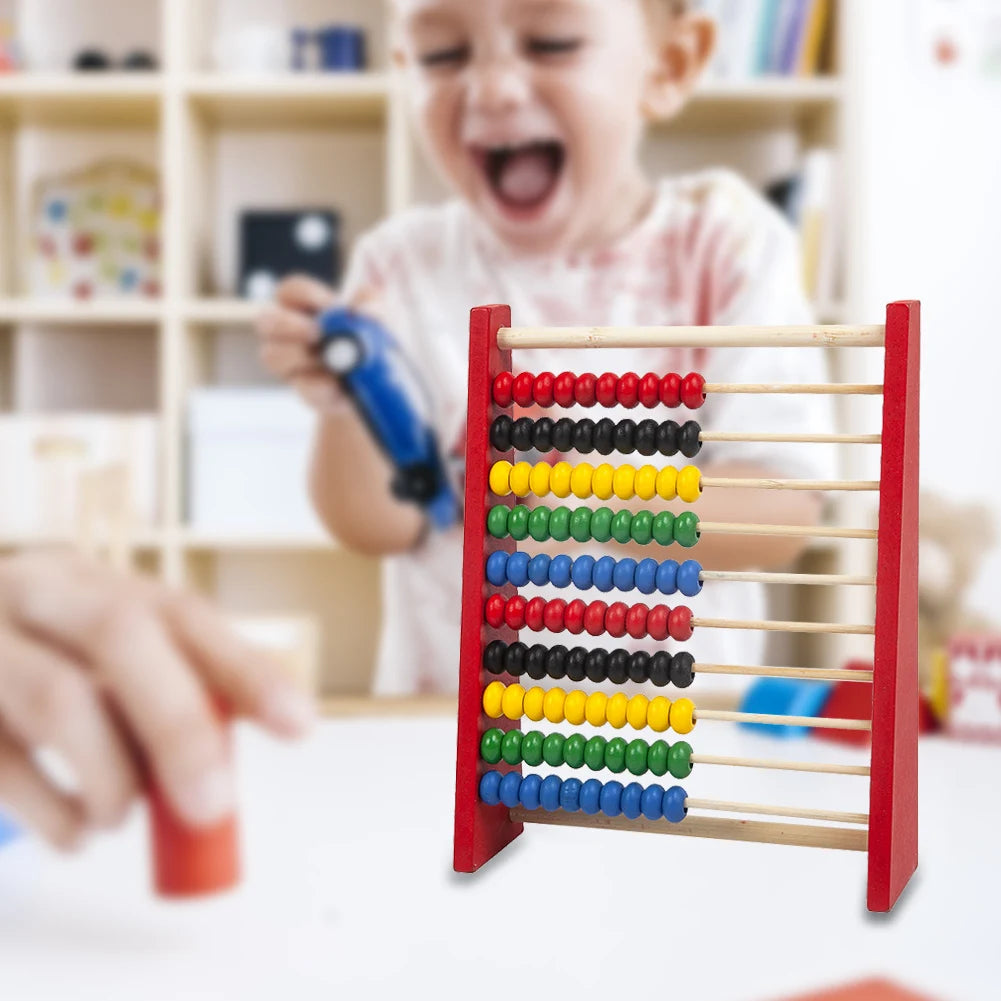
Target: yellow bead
x,y
552,705
658,714
559,480
521,474
513,703
582,479
689,484
616,710
574,707
500,478
602,481
683,716
493,699
539,480
594,712
667,483
625,482
646,483
636,713
535,704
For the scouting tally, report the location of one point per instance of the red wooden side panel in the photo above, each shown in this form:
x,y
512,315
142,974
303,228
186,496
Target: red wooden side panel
x,y
480,831
893,797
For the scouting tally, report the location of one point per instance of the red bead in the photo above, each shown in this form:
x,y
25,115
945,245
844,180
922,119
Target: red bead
x,y
574,618
693,391
523,390
594,618
605,390
585,390
534,614
627,392
680,624
657,622
670,390
649,391
564,389
495,611
636,621
514,613
615,619
503,385
554,615
542,391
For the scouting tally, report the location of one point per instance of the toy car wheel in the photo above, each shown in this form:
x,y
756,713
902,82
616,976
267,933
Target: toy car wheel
x,y
342,354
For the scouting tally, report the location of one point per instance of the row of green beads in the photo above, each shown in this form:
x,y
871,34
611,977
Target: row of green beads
x,y
637,756
584,525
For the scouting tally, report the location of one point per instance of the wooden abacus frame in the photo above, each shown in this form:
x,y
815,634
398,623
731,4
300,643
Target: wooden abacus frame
x,y
889,832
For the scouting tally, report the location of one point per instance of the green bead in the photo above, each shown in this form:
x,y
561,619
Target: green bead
x,y
552,749
656,759
511,747
663,528
594,753
636,754
559,524
621,524
679,760
538,524
580,525
601,524
573,750
641,529
615,755
686,529
531,748
517,523
497,521
490,746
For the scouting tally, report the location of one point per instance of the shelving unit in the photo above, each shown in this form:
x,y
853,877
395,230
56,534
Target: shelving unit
x,y
283,140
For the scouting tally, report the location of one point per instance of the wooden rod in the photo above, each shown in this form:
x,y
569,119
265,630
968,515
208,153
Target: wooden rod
x,y
815,579
793,812
749,483
719,828
524,338
787,531
813,722
804,673
819,628
792,389
781,766
792,439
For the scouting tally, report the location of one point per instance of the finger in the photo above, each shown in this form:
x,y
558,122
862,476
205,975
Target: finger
x,y
279,324
35,802
47,702
306,294
287,359
321,392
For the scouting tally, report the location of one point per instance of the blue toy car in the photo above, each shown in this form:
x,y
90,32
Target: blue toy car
x,y
390,399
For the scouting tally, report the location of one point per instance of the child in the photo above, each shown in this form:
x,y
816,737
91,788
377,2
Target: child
x,y
534,112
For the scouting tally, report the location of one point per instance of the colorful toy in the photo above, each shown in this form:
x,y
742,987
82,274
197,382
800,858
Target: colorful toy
x,y
494,799
974,685
340,48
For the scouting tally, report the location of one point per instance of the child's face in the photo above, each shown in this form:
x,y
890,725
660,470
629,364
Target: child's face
x,y
534,109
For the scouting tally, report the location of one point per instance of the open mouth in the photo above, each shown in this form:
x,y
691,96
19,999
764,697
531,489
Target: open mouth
x,y
524,177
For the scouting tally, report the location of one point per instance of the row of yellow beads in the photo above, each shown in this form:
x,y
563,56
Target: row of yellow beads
x,y
556,705
605,481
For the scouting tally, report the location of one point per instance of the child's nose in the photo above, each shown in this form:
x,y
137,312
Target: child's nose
x,y
498,86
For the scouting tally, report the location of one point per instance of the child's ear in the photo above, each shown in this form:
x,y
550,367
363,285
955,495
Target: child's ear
x,y
681,50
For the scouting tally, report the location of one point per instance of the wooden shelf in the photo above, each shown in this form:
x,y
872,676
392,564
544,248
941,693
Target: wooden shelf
x,y
80,100
221,312
209,542
145,541
100,312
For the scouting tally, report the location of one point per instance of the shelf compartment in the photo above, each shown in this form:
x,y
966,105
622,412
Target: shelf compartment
x,y
76,313
81,100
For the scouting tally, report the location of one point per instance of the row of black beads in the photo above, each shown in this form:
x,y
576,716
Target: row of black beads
x,y
605,436
576,664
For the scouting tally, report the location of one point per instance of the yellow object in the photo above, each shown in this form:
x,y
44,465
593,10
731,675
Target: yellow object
x,y
521,474
683,716
493,698
559,479
535,704
646,483
500,478
513,702
602,482
625,482
658,714
667,483
575,707
553,704
813,38
595,710
938,696
636,712
615,711
582,480
539,480
690,484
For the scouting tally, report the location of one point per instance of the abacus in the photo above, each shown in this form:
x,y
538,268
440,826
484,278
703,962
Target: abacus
x,y
493,798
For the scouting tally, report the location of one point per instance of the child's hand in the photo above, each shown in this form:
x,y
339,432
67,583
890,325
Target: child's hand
x,y
101,668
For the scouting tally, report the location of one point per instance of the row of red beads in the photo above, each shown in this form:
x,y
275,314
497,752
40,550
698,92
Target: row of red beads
x,y
608,390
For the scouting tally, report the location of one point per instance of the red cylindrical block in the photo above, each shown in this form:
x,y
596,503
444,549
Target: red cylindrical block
x,y
542,391
627,392
680,623
523,389
535,612
693,391
657,622
564,388
594,618
494,611
585,390
636,621
503,386
554,615
605,390
649,390
670,390
514,613
615,619
574,617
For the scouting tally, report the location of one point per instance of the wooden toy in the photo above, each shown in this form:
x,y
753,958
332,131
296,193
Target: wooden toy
x,y
974,686
494,799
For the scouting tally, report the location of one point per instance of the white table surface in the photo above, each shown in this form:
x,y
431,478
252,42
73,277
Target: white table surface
x,y
349,893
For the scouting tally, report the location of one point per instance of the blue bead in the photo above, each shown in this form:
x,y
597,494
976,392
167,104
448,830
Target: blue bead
x,y
688,578
646,576
624,576
632,800
538,570
510,787
497,569
674,804
590,797
652,802
529,793
611,799
604,571
570,795
490,788
583,568
517,569
667,577
549,792
559,571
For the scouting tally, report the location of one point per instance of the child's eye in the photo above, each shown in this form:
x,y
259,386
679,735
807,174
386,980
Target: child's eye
x,y
454,56
553,46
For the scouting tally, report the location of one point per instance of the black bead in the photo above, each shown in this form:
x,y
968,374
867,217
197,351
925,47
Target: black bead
x,y
667,438
583,436
563,435
604,436
689,441
556,662
535,662
577,664
660,669
522,432
625,436
493,657
639,667
618,667
596,667
646,437
682,670
542,434
514,660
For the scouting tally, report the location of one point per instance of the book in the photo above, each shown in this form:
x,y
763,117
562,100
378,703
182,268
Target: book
x,y
814,37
